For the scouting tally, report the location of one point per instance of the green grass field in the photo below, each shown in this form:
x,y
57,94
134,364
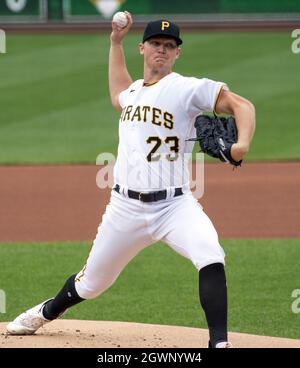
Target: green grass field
x,y
55,105
159,286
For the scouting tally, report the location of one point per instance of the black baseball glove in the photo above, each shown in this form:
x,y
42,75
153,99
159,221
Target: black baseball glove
x,y
216,135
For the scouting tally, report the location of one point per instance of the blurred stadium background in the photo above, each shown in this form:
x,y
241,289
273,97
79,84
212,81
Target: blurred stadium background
x,y
191,12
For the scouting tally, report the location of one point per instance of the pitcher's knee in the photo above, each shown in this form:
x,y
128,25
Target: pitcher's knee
x,y
91,290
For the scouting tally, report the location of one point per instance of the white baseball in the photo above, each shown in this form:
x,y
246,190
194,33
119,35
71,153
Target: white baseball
x,y
120,19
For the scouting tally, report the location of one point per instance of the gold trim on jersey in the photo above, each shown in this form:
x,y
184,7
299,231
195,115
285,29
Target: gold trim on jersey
x,y
149,84
217,99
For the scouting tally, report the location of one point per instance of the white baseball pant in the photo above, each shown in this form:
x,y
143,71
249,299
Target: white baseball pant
x,y
129,225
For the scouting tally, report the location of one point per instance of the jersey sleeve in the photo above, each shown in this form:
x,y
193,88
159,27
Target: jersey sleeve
x,y
123,95
200,95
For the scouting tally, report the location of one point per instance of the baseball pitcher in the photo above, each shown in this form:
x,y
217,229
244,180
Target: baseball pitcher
x,y
151,199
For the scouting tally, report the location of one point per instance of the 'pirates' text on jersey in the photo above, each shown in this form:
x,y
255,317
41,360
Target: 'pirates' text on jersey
x,y
155,122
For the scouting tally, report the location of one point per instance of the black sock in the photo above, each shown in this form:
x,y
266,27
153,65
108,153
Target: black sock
x,y
65,299
213,299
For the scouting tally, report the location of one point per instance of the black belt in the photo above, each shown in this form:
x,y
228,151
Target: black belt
x,y
149,196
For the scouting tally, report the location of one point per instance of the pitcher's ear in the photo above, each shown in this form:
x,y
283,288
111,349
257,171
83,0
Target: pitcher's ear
x,y
141,48
178,52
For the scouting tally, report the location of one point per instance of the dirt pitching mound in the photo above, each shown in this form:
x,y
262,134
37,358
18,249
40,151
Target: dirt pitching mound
x,y
95,334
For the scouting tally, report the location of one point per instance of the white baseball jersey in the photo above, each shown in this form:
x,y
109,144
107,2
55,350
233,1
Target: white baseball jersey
x,y
155,123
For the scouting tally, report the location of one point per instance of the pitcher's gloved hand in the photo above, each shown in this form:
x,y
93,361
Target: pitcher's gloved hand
x,y
216,135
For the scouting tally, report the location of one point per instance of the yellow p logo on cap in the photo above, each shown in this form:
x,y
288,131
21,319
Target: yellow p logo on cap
x,y
164,25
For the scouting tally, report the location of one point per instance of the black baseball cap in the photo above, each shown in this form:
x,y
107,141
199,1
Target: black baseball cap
x,y
163,28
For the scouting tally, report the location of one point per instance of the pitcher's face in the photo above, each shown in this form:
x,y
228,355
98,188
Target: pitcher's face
x,y
160,52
